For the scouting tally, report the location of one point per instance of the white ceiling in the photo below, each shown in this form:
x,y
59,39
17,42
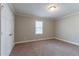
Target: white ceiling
x,y
40,9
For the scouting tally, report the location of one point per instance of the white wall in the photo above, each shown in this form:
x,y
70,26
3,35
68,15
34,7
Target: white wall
x,y
0,28
7,28
67,28
25,28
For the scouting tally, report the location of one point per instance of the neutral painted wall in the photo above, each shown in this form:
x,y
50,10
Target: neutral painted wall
x,y
67,28
25,28
7,28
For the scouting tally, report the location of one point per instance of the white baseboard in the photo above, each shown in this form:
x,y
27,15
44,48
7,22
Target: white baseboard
x,y
47,39
33,40
67,41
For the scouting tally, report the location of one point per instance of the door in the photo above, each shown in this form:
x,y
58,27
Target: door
x,y
0,28
7,29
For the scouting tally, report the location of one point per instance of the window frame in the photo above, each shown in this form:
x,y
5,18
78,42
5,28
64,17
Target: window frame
x,y
38,27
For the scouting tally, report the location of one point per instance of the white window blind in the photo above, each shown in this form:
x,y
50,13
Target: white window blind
x,y
38,27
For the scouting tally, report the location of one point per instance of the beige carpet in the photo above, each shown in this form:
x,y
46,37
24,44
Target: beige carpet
x,y
51,47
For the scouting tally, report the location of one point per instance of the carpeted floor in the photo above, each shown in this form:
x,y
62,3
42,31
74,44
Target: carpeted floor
x,y
51,47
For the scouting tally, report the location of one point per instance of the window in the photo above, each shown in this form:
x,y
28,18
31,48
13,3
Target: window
x,y
38,27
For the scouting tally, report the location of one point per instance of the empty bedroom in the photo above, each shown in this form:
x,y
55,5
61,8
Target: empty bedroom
x,y
39,29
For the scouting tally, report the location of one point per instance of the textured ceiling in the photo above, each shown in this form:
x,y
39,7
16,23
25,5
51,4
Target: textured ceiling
x,y
41,9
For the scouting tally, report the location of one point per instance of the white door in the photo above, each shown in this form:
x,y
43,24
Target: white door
x,y
7,30
3,31
0,28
